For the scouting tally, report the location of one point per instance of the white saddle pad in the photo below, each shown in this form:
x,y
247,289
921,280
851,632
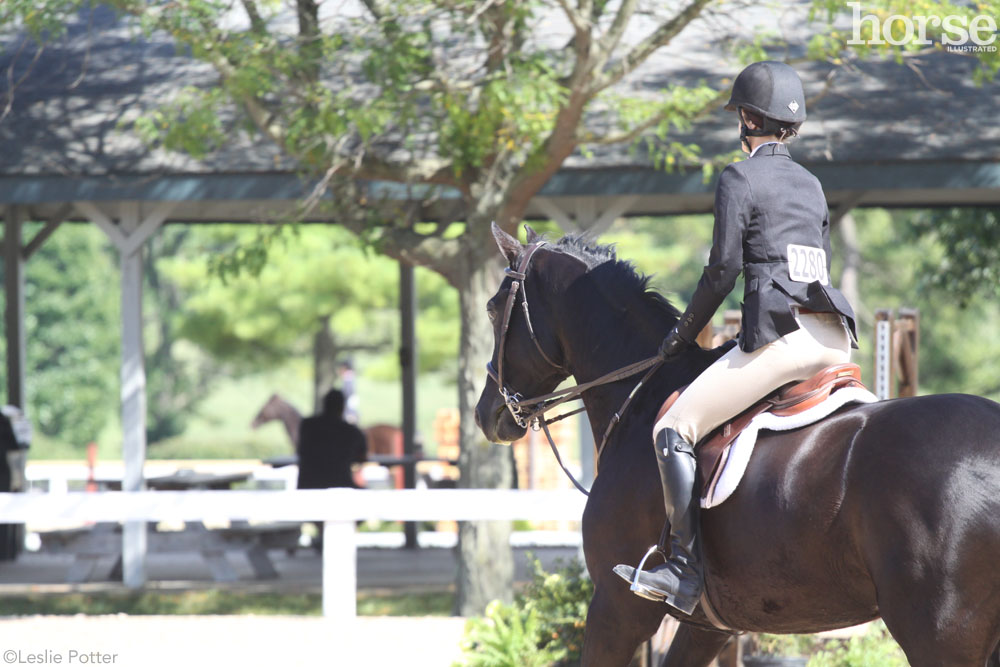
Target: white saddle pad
x,y
737,455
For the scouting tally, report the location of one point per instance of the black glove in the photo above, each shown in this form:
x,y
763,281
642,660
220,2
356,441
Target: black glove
x,y
673,345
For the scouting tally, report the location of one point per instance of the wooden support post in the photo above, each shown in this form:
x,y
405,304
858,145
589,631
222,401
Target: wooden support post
x,y
14,311
15,254
133,400
586,216
408,362
340,573
907,344
129,235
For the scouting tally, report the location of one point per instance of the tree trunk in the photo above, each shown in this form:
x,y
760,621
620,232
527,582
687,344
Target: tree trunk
x,y
485,560
324,364
852,263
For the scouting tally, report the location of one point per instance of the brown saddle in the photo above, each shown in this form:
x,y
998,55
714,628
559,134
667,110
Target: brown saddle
x,y
790,399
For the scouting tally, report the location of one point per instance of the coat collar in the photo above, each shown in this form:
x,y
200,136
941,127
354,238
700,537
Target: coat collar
x,y
772,149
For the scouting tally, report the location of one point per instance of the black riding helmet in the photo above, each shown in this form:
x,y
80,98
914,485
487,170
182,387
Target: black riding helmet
x,y
774,91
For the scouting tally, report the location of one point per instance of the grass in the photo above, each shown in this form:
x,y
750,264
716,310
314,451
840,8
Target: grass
x,y
216,602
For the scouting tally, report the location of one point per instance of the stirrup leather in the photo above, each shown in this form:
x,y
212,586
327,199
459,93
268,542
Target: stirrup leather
x,y
639,588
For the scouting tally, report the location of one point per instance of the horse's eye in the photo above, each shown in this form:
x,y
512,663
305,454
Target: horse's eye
x,y
492,314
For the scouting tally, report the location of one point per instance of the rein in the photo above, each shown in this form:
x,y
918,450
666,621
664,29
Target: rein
x,y
539,405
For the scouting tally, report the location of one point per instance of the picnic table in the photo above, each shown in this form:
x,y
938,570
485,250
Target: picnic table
x,y
186,479
387,460
90,544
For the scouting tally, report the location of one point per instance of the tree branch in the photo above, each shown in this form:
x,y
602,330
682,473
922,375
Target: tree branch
x,y
576,19
609,41
310,49
405,244
659,38
257,23
373,9
638,130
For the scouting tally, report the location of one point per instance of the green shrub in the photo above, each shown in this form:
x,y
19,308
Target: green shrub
x,y
783,645
509,636
561,599
876,648
542,628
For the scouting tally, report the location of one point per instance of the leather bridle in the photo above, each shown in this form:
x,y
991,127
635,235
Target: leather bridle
x,y
534,415
512,399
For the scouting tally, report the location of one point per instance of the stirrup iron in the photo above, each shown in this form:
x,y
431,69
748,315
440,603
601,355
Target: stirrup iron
x,y
640,589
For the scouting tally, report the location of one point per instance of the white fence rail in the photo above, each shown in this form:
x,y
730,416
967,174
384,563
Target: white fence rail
x,y
337,509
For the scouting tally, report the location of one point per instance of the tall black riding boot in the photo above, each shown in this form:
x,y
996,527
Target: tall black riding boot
x,y
678,582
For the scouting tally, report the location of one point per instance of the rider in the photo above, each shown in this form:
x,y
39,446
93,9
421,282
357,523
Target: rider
x,y
771,223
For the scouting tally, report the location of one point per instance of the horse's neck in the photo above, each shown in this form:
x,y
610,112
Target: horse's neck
x,y
622,341
291,418
280,409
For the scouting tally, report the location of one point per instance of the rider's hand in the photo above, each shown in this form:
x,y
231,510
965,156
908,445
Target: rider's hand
x,y
673,345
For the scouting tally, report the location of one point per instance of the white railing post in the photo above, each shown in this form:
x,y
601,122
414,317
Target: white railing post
x,y
340,574
883,354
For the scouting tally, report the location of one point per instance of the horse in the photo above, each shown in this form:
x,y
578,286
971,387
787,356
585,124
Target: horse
x,y
889,509
277,408
382,439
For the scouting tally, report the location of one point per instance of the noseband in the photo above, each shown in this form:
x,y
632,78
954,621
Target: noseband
x,y
538,406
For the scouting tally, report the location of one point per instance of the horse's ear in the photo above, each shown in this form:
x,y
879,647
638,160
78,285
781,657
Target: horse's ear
x,y
509,246
532,234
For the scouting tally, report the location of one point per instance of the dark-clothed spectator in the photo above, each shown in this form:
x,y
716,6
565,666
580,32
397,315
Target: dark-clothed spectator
x,y
328,446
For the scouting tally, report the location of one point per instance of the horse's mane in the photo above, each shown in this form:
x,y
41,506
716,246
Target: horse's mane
x,y
622,272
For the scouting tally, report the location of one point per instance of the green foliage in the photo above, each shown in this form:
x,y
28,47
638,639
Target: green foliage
x,y
320,273
507,637
43,21
561,599
544,626
784,645
671,250
72,334
219,602
406,604
178,375
876,648
256,322
957,349
932,14
154,603
970,240
189,123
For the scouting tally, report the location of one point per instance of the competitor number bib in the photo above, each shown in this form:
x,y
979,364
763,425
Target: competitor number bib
x,y
806,264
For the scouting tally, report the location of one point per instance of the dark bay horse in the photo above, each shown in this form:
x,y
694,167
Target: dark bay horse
x,y
888,510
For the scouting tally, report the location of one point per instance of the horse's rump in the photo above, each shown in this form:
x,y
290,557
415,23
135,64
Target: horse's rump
x,y
811,518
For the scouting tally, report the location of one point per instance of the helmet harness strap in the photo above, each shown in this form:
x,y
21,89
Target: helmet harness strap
x,y
768,129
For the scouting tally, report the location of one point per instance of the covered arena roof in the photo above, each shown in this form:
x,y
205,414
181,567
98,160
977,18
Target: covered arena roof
x,y
883,134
